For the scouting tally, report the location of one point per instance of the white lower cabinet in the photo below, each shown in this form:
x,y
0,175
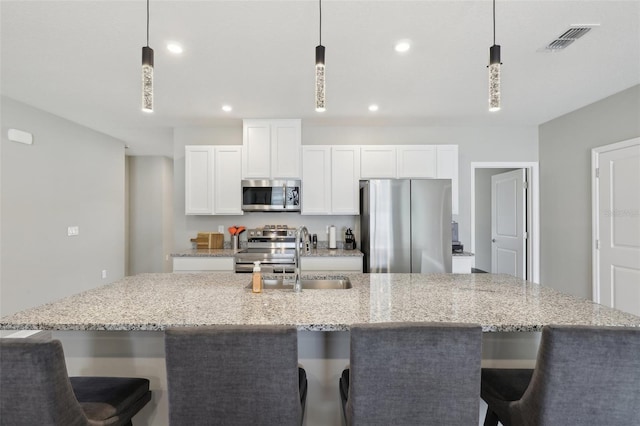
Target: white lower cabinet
x,y
203,264
213,179
330,179
324,264
461,264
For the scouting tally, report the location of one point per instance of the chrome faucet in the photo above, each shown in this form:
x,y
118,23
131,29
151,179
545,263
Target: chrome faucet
x,y
302,235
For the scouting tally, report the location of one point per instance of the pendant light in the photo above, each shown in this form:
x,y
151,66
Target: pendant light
x,y
320,87
494,69
147,72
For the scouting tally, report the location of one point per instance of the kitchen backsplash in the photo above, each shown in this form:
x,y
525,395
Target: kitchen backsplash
x,y
315,224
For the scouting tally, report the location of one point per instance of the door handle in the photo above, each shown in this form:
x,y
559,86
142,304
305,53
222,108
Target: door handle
x,y
493,240
284,196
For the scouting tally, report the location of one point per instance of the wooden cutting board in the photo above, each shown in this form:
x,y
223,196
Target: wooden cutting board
x,y
209,240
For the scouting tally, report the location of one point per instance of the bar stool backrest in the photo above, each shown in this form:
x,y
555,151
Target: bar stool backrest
x,y
584,375
414,373
233,375
34,385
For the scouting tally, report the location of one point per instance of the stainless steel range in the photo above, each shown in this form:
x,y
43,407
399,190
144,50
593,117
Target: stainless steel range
x,y
273,245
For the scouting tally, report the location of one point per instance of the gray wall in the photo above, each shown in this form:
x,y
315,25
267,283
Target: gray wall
x,y
70,176
474,144
150,214
565,185
483,217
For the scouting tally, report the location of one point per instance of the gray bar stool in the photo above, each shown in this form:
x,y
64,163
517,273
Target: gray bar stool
x,y
583,376
412,374
36,390
234,375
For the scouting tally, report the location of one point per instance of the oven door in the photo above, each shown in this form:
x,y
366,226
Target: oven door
x,y
271,195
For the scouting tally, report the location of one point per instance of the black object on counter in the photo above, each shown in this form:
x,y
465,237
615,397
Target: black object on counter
x,y
349,240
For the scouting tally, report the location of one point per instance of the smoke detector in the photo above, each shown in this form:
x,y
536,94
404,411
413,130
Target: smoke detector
x,y
573,33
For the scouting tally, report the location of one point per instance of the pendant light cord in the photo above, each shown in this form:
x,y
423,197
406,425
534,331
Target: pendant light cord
x,y
148,23
494,22
320,7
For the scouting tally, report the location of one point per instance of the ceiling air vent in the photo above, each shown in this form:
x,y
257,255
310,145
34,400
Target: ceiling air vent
x,y
568,37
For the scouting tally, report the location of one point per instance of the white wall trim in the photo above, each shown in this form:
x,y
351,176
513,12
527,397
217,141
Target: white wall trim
x,y
595,211
534,232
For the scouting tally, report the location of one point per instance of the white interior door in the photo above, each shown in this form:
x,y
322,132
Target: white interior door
x,y
508,248
617,256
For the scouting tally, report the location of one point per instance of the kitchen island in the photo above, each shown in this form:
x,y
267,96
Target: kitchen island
x,y
116,329
152,302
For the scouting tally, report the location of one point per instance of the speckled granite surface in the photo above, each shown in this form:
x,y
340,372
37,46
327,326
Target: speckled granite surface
x,y
156,301
320,252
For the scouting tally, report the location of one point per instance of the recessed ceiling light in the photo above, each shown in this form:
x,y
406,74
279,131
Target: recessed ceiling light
x,y
373,107
174,48
402,46
227,108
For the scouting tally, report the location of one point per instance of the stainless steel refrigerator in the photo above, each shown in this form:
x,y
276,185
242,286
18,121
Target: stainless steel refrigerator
x,y
405,225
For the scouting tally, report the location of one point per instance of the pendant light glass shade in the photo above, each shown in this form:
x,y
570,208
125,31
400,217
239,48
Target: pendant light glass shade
x,y
147,79
494,78
320,85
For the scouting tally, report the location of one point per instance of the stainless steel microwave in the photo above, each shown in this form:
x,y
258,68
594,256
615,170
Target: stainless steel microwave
x,y
271,195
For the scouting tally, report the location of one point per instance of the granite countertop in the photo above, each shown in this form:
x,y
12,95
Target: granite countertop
x,y
463,254
157,301
226,252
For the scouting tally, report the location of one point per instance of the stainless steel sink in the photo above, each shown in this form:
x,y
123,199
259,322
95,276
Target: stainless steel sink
x,y
307,283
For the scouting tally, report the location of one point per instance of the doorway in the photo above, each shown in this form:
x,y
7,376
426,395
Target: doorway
x,y
616,225
484,243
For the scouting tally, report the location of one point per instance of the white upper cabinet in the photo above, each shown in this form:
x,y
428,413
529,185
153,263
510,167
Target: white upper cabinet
x,y
330,179
213,180
198,179
271,149
316,179
416,161
227,180
447,168
378,162
345,180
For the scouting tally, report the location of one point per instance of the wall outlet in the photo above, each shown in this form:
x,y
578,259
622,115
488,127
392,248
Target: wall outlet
x,y
104,274
220,229
73,231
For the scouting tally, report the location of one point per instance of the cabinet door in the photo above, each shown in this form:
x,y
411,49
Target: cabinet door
x,y
316,179
286,138
345,180
377,162
228,180
256,153
198,179
310,264
416,161
203,264
447,168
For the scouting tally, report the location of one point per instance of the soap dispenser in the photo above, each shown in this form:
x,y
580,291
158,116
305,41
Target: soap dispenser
x,y
257,278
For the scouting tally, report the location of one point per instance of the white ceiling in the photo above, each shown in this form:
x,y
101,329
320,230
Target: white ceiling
x,y
81,60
